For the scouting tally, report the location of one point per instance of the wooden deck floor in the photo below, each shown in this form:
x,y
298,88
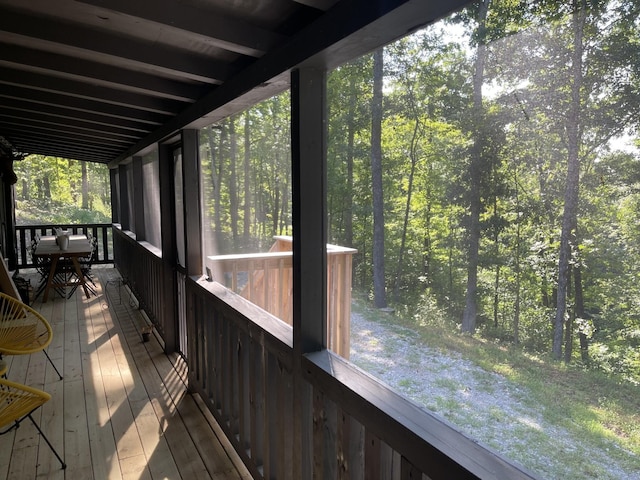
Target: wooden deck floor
x,y
122,410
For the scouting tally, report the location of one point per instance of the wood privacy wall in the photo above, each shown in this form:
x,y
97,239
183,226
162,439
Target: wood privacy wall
x,y
266,280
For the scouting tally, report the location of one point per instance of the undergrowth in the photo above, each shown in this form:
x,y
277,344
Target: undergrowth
x,y
596,407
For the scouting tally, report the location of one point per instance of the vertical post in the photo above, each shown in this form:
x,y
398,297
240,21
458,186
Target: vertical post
x,y
115,195
124,197
308,124
138,199
168,240
10,225
309,220
191,189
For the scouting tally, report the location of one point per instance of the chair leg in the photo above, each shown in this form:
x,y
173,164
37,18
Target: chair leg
x,y
40,288
88,281
52,364
64,465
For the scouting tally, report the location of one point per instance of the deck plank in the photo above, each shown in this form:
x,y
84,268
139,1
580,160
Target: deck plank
x,y
122,410
105,462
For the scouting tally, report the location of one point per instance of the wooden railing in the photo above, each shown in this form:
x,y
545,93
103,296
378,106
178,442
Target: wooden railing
x,y
266,279
142,270
101,231
298,417
331,421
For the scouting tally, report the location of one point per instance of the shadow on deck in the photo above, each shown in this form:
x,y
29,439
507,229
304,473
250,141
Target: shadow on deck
x,y
122,409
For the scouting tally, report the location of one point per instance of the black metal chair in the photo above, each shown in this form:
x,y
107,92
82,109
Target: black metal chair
x,y
43,267
85,267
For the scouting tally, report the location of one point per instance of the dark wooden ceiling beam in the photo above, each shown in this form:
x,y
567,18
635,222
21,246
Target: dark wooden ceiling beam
x,y
57,121
99,74
63,152
98,93
56,149
37,109
319,4
25,136
351,28
15,126
219,30
28,31
85,105
79,68
80,147
33,142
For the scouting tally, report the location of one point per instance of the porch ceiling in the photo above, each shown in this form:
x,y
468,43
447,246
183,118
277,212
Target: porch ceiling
x,y
99,80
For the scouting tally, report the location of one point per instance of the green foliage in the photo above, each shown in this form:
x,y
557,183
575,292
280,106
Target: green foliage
x,y
50,191
599,408
429,135
438,145
28,213
246,171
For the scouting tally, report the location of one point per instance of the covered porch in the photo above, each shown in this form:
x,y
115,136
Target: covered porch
x,y
122,410
229,381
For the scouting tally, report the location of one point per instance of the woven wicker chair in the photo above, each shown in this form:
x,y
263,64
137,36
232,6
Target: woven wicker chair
x,y
18,402
23,330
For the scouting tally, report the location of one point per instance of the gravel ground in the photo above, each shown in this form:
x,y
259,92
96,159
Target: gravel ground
x,y
487,406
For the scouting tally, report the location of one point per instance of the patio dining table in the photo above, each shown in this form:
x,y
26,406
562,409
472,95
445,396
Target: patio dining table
x,y
79,246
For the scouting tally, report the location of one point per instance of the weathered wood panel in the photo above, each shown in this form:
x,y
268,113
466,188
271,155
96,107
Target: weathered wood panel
x,y
141,267
266,279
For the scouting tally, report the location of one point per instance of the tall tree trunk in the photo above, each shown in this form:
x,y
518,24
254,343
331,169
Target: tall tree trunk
x,y
379,293
246,230
214,180
580,314
414,160
351,133
568,327
569,216
548,300
516,313
284,205
218,182
46,188
85,186
427,243
233,180
475,206
578,300
450,243
496,281
276,200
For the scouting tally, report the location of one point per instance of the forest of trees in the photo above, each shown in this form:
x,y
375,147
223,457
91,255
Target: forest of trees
x,y
53,190
487,165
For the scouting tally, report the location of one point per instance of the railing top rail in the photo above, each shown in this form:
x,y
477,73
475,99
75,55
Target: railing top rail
x,y
339,249
55,225
424,438
277,334
330,247
249,256
331,250
25,234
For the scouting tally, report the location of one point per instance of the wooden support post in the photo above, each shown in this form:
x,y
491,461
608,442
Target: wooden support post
x,y
308,123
